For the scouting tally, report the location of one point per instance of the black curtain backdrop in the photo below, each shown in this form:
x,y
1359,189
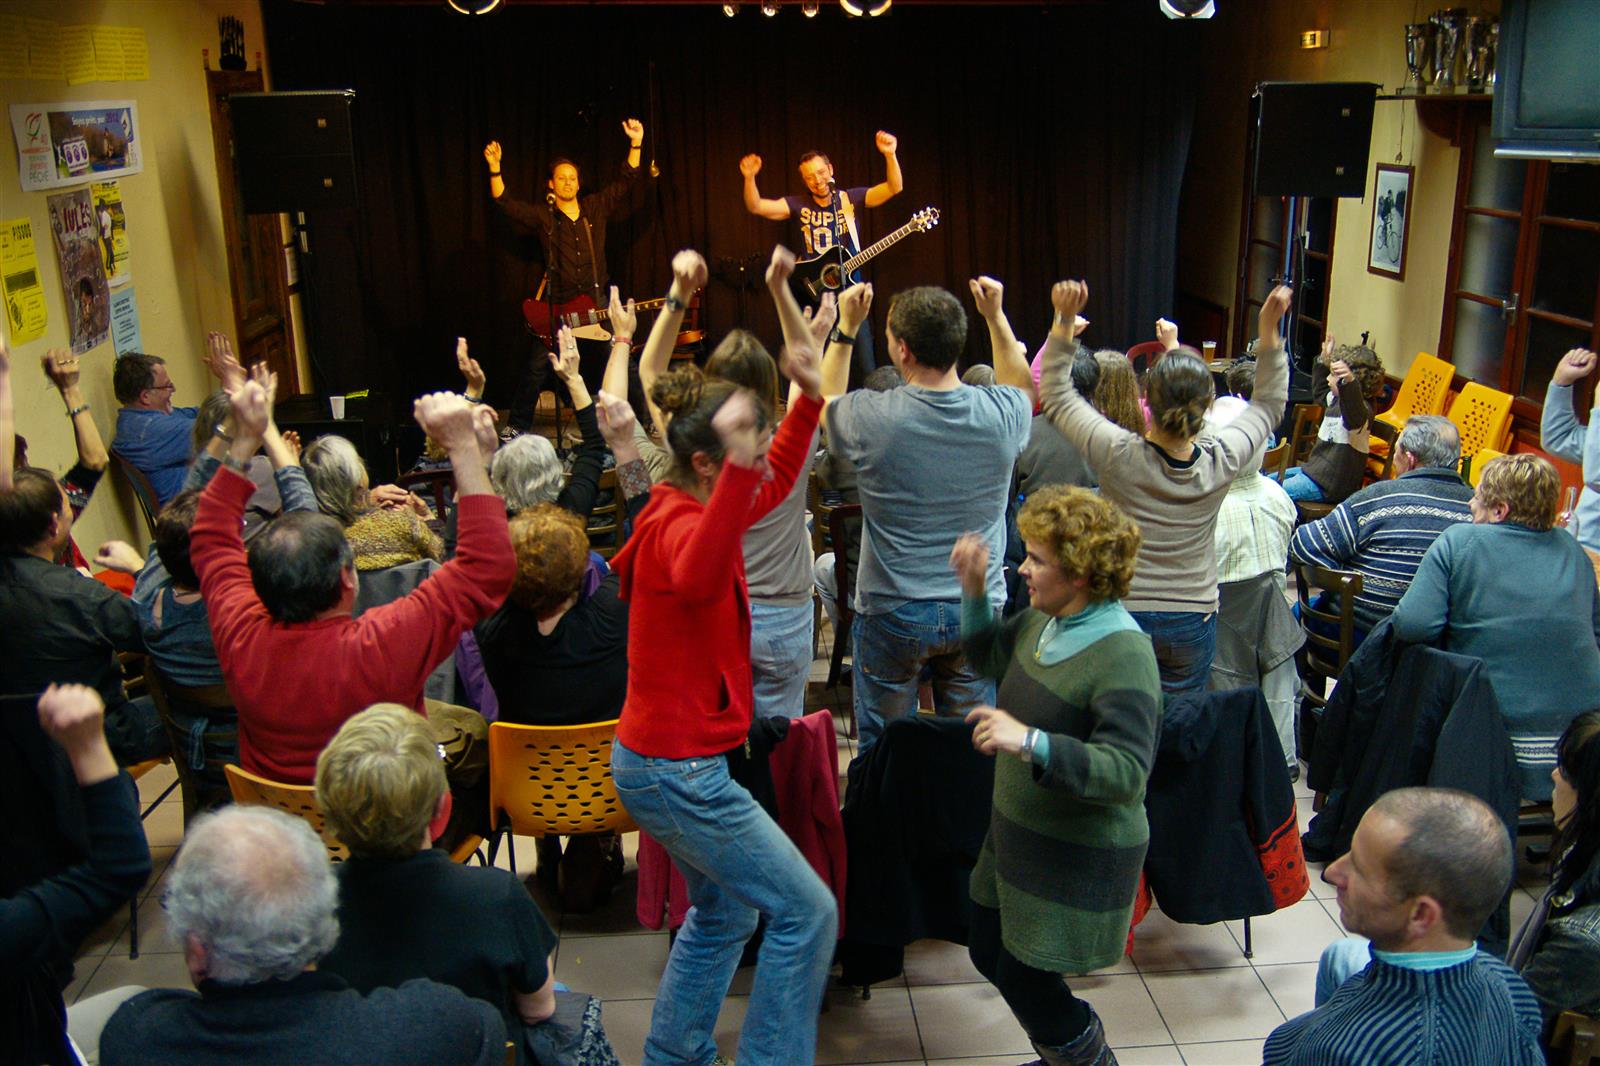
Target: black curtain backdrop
x,y
1053,141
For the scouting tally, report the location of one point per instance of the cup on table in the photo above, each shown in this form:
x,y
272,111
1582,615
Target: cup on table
x,y
1209,350
336,405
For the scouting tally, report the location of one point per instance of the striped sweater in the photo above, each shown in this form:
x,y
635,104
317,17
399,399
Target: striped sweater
x,y
1067,840
1479,1013
1382,533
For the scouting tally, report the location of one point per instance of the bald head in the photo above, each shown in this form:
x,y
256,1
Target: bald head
x,y
1451,846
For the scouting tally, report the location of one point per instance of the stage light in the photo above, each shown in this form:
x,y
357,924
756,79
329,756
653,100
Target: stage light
x,y
473,7
870,8
810,8
1188,9
769,8
730,9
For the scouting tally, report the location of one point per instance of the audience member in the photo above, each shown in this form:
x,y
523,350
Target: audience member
x,y
1351,379
933,460
1054,885
384,528
1169,482
42,925
1426,868
1563,436
689,703
622,378
1047,458
1383,531
294,659
405,910
1116,395
1257,634
62,368
252,897
979,374
1519,594
151,434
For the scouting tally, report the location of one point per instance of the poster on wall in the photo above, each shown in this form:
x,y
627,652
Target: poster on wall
x,y
1391,210
125,322
83,279
71,143
112,223
19,281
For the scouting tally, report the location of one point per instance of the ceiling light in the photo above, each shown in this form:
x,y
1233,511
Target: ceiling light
x,y
1188,9
730,9
473,7
809,9
871,8
769,7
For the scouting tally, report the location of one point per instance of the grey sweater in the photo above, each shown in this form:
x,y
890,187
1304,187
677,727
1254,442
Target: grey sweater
x,y
1175,505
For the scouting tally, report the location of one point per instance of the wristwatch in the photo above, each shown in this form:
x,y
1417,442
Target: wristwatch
x,y
1029,739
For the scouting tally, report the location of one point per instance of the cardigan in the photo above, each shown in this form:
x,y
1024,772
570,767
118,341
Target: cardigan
x,y
682,576
1477,1013
1175,505
1338,459
1067,839
295,683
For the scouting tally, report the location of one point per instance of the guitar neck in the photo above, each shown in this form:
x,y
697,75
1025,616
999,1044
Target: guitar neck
x,y
867,253
602,314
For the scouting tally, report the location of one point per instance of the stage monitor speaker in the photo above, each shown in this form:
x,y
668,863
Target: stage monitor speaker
x,y
293,151
1312,138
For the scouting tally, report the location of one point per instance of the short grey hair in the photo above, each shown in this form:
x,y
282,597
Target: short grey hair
x,y
255,887
1433,440
526,471
1455,849
338,478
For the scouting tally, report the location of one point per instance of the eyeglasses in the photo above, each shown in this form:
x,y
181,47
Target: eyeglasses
x,y
168,387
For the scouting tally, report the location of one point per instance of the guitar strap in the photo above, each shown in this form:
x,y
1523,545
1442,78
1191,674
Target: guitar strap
x,y
848,212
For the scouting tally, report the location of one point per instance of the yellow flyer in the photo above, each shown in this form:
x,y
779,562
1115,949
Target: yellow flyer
x,y
112,225
19,281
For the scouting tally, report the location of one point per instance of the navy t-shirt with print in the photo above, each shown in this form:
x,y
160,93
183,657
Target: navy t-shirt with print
x,y
811,227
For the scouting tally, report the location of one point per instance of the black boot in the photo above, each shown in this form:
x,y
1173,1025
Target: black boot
x,y
1087,1049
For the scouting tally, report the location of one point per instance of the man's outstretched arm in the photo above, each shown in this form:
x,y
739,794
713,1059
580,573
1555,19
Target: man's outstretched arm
x,y
892,182
754,202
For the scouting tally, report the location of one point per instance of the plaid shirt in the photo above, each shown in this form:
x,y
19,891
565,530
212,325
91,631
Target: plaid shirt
x,y
1253,528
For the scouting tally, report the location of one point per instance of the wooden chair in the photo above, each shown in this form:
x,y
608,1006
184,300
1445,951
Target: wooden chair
x,y
1276,461
136,771
1483,415
552,780
606,532
1574,1039
1380,465
1303,435
143,491
1322,658
207,787
844,523
691,340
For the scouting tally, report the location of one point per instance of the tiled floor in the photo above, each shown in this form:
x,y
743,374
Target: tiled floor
x,y
1187,995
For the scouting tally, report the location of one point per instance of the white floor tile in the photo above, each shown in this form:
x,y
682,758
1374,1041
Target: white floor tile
x,y
1229,1004
966,1020
880,1029
1293,985
1223,1053
1295,934
1161,944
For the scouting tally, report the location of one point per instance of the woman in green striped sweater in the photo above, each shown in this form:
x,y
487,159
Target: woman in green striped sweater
x,y
1054,886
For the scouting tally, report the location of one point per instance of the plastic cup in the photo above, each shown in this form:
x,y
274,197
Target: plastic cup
x,y
336,405
1209,350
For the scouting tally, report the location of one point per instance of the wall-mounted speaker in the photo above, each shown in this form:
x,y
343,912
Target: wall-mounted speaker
x,y
293,151
1312,138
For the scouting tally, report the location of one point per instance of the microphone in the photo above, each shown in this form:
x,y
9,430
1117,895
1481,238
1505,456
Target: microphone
x,y
550,198
830,183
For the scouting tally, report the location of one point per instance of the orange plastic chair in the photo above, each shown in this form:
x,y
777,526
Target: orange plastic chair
x,y
547,780
301,801
1479,460
1423,392
1483,415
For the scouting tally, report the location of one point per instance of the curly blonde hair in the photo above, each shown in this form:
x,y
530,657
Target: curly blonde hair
x,y
1117,394
1363,363
1527,484
1088,536
552,548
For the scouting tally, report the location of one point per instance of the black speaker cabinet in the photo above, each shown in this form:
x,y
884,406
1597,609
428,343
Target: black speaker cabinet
x,y
1312,138
293,151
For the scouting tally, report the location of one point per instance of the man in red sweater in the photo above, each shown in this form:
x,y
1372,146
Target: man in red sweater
x,y
295,661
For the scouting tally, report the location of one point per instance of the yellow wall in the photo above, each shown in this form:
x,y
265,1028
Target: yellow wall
x,y
179,267
1261,43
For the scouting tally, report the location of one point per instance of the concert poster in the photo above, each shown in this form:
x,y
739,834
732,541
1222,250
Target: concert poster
x,y
113,227
69,143
83,276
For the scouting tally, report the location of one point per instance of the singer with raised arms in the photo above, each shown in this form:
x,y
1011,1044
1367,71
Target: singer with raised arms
x,y
825,216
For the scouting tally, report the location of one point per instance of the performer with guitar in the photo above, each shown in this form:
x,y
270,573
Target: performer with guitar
x,y
826,215
572,231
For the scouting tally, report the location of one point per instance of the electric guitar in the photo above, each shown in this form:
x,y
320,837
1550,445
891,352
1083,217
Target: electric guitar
x,y
831,271
579,314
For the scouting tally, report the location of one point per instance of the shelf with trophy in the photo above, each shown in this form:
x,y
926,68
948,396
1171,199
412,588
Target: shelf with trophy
x,y
1450,67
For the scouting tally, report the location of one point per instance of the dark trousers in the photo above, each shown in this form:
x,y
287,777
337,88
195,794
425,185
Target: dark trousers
x,y
534,372
1046,1008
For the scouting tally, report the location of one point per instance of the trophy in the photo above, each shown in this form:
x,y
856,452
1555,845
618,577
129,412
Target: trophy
x,y
1419,56
1447,49
1480,52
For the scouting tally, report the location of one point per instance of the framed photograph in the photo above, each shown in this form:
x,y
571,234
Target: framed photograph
x,y
1391,211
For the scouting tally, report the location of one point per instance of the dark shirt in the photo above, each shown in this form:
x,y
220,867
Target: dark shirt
x,y
313,1017
471,928
47,921
577,674
58,626
812,227
575,253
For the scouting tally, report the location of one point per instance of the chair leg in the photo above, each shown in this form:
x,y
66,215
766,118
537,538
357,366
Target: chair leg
x,y
133,927
1249,950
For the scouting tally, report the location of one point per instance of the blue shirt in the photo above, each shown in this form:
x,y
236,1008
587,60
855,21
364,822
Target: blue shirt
x,y
159,444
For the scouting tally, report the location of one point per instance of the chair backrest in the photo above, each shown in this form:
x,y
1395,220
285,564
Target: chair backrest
x,y
1276,460
1473,464
1389,435
1145,355
554,779
298,800
605,520
821,535
1307,420
844,527
1483,415
1574,1039
143,491
207,786
1424,391
1324,656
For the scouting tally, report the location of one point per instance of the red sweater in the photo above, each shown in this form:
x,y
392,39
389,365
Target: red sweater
x,y
295,683
682,575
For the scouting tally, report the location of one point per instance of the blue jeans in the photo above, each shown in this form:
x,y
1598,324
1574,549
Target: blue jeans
x,y
1185,642
889,654
1340,961
738,865
1300,487
780,658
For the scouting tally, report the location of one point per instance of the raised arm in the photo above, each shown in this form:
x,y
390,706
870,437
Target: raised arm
x,y
854,304
1084,427
689,273
476,380
800,327
61,366
1560,433
624,322
564,359
984,640
890,186
491,156
604,202
777,210
1167,334
1239,439
614,415
1010,356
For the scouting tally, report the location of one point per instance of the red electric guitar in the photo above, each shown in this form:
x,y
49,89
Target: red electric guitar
x,y
579,314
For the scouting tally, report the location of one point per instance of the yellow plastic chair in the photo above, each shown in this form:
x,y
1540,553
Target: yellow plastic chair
x,y
1483,415
547,780
1479,460
1423,392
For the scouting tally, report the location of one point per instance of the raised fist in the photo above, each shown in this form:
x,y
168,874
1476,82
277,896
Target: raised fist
x,y
491,155
887,142
750,165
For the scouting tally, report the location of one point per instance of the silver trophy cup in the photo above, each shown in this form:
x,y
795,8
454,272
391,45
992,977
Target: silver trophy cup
x,y
1451,23
1419,56
1480,52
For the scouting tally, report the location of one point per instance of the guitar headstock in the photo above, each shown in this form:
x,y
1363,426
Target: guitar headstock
x,y
925,220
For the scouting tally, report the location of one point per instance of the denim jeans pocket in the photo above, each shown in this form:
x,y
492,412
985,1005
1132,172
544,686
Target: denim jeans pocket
x,y
648,806
884,652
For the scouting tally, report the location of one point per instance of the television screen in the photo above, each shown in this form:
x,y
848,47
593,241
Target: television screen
x,y
1547,85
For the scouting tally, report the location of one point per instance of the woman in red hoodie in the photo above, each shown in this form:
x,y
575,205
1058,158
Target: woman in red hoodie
x,y
689,701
